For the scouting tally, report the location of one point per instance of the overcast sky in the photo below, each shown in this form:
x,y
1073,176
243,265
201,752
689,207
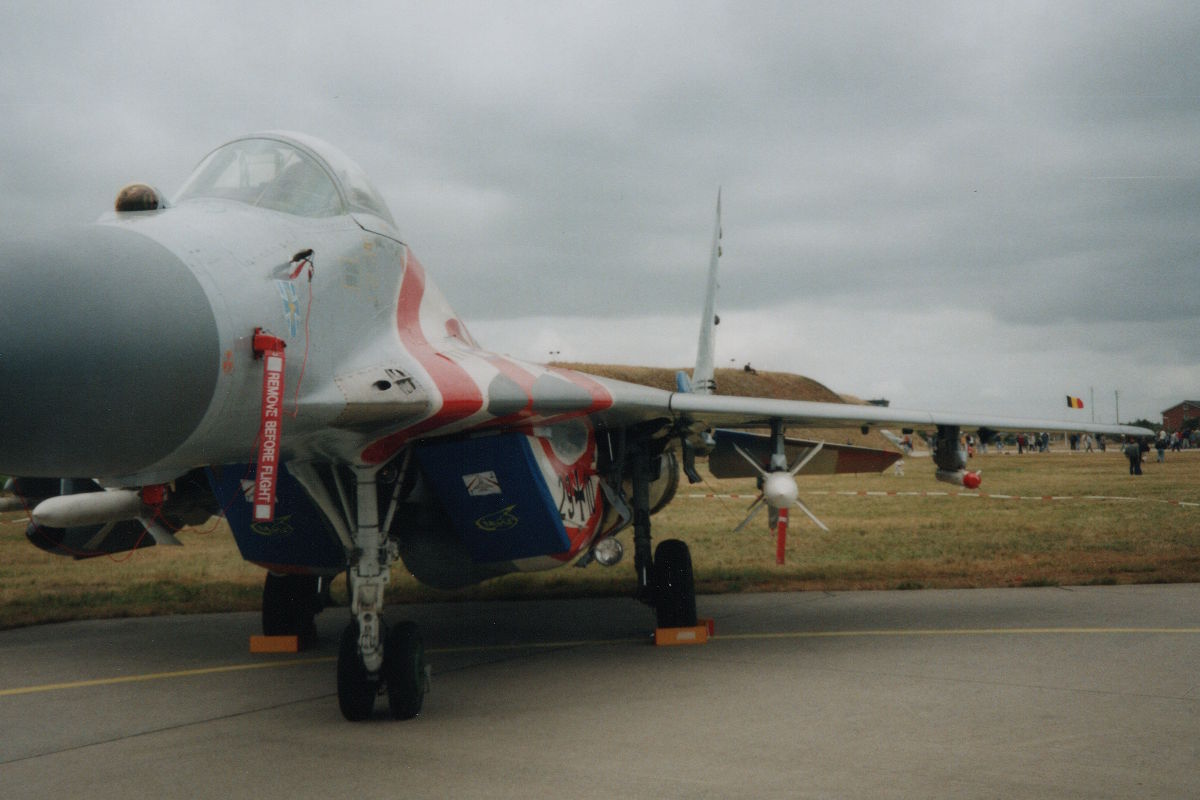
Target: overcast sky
x,y
959,206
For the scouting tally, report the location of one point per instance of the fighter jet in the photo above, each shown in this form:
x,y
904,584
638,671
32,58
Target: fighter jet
x,y
265,347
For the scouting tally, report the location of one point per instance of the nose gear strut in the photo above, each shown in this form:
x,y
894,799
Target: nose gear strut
x,y
373,659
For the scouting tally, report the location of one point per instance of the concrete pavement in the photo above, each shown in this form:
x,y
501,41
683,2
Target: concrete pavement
x,y
1082,692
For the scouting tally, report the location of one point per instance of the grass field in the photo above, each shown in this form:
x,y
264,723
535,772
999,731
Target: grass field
x,y
887,531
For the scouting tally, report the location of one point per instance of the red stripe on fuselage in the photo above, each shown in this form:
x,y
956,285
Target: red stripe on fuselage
x,y
460,395
601,399
524,379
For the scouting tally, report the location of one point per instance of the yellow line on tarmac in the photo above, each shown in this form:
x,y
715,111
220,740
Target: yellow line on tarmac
x,y
931,632
158,676
292,662
498,648
487,648
960,632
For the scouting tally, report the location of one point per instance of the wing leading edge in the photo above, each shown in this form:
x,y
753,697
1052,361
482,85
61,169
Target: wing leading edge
x,y
632,403
749,411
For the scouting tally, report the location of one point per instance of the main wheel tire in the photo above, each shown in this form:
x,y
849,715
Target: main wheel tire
x,y
404,670
355,688
289,607
675,588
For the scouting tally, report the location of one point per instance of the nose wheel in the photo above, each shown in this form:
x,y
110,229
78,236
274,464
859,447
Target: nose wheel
x,y
405,675
356,688
403,678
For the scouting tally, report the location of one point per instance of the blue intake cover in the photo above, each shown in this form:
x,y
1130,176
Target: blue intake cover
x,y
496,497
299,539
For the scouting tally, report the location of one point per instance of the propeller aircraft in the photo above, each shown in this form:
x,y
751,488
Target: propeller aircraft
x,y
267,348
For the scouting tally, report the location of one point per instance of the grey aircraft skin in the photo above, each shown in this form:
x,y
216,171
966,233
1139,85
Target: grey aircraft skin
x,y
265,347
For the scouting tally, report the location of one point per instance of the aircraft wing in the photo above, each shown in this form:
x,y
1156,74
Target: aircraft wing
x,y
632,402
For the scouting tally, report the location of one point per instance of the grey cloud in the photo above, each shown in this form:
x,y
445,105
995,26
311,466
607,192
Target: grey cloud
x,y
1037,160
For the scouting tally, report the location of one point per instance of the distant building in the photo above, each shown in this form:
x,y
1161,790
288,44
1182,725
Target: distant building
x,y
1174,417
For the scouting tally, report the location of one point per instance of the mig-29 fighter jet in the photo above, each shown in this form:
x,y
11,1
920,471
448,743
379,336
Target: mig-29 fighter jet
x,y
266,347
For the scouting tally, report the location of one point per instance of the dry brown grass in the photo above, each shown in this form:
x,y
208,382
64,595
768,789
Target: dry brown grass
x,y
968,539
207,574
737,382
876,541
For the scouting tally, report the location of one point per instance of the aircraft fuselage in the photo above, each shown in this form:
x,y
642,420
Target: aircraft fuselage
x,y
150,372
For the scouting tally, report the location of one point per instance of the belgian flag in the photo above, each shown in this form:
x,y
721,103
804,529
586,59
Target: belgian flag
x,y
1074,402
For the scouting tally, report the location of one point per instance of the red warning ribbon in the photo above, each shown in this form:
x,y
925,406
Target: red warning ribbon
x,y
270,348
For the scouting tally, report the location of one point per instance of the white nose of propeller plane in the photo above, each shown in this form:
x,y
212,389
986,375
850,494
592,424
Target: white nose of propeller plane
x,y
109,353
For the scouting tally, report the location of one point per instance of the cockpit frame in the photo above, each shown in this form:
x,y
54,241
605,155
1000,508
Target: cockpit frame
x,y
287,172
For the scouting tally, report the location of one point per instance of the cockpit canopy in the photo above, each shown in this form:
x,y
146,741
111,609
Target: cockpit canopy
x,y
286,172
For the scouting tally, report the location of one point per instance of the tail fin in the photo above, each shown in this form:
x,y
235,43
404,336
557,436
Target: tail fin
x,y
703,376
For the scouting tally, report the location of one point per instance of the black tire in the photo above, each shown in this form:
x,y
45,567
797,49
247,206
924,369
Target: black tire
x,y
404,670
675,588
289,607
355,688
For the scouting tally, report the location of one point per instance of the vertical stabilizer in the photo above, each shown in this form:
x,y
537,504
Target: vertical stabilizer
x,y
703,381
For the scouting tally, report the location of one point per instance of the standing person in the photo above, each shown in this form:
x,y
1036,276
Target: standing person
x,y
1133,452
1020,443
1160,446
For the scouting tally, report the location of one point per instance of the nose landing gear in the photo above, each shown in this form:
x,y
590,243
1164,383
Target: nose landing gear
x,y
374,659
403,678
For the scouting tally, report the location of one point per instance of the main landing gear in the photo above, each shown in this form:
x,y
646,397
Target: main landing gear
x,y
374,659
665,581
675,590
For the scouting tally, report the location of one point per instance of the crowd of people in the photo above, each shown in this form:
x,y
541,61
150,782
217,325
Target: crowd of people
x,y
1133,448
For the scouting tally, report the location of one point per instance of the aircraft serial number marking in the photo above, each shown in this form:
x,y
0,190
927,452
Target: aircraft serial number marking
x,y
578,502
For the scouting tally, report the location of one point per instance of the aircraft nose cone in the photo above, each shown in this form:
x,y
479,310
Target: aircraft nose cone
x,y
109,353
